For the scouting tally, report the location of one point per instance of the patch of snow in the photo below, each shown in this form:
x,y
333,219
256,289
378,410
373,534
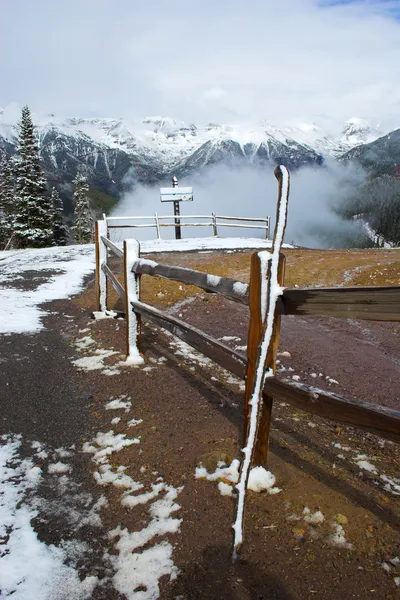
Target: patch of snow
x,y
367,466
59,468
392,485
260,479
337,538
240,288
225,489
30,569
213,280
95,362
119,402
134,422
84,342
69,265
316,518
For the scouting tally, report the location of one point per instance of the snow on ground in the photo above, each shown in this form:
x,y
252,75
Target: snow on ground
x,y
59,273
212,243
29,568
142,556
260,479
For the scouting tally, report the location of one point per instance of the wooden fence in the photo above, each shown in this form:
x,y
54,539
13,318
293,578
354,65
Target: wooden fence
x,y
214,221
371,303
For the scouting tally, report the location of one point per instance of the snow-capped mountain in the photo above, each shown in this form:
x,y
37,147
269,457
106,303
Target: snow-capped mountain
x,y
155,148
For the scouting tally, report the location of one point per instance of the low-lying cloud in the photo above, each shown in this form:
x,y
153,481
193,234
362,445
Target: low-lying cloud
x,y
252,192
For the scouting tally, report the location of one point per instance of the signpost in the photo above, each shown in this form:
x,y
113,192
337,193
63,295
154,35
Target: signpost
x,y
176,194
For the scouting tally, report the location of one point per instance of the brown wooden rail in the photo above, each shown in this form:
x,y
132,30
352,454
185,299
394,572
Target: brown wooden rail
x,y
379,420
369,303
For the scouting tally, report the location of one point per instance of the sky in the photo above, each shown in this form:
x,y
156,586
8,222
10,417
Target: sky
x,y
202,60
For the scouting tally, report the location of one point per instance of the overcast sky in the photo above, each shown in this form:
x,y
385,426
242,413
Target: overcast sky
x,y
203,60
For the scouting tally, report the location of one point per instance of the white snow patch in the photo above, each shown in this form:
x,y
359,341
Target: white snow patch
x,y
213,280
225,489
260,479
392,485
30,569
82,343
240,288
134,422
119,403
366,465
337,538
59,468
95,362
70,264
315,518
115,420
105,444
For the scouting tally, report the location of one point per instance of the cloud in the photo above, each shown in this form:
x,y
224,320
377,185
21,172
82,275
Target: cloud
x,y
252,192
203,61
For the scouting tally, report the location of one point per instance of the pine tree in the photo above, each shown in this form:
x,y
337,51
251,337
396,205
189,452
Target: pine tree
x,y
60,230
33,208
6,201
83,218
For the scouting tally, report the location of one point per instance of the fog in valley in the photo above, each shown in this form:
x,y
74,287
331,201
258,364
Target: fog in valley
x,y
250,191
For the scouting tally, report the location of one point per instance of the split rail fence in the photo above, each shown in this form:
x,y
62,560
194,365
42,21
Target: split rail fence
x,y
214,221
370,303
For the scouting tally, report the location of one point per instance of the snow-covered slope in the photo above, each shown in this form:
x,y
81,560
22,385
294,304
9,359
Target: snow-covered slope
x,y
154,148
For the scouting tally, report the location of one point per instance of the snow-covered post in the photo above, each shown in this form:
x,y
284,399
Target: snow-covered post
x,y
265,351
101,258
257,305
157,226
267,228
132,293
214,224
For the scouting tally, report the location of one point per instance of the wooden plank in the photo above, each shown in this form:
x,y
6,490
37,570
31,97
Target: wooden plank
x,y
264,352
186,224
370,303
101,258
114,281
132,287
261,448
130,226
261,220
230,288
213,349
242,226
253,335
379,420
112,247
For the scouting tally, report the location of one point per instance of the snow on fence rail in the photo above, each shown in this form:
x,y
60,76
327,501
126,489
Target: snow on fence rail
x,y
267,301
213,220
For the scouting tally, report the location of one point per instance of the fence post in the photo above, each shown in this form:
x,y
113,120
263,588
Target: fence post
x,y
214,224
132,293
267,226
257,291
157,226
101,258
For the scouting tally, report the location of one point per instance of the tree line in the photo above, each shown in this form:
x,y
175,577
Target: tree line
x,y
31,215
377,202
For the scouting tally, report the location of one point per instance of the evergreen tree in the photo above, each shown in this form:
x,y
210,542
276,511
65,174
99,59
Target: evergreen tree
x,y
83,217
6,201
60,230
33,208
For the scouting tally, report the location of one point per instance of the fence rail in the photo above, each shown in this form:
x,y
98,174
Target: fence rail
x,y
212,220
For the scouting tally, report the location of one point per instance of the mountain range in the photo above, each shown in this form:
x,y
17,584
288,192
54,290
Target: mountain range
x,y
116,153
